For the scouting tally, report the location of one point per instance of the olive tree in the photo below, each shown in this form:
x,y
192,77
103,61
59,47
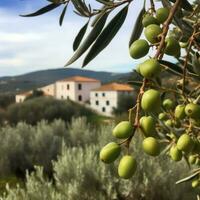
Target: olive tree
x,y
168,118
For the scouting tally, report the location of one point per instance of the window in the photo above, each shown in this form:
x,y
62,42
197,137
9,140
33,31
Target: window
x,y
96,94
97,103
103,109
107,103
68,87
79,86
103,94
79,97
67,97
62,97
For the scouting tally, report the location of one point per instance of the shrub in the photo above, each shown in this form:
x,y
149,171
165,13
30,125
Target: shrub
x,y
34,110
78,173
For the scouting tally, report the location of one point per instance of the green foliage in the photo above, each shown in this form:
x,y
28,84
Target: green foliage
x,y
34,110
125,102
35,94
78,173
6,100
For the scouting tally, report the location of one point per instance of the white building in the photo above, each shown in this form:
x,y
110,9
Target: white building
x,y
22,96
76,88
49,90
105,98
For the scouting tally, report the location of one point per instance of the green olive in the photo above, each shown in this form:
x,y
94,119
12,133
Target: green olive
x,y
127,167
168,104
175,153
179,112
139,49
151,146
162,14
185,143
172,47
110,152
192,159
152,33
123,130
151,101
147,124
150,68
195,183
193,110
148,20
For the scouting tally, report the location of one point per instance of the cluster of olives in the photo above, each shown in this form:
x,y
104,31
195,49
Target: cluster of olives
x,y
162,120
152,32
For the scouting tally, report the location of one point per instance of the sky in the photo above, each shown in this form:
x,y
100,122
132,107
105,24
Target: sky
x,y
37,43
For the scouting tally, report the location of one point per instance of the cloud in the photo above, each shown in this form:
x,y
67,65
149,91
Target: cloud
x,y
29,44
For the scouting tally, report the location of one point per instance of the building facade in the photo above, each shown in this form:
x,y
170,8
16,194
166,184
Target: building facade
x,y
22,96
105,98
76,88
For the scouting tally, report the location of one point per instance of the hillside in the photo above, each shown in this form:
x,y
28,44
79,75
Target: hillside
x,y
13,84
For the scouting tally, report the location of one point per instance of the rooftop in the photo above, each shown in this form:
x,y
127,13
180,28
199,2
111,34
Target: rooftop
x,y
114,87
79,79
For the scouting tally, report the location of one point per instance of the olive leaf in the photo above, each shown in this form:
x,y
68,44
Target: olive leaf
x,y
80,36
43,10
185,5
138,27
171,67
90,39
107,35
63,15
81,7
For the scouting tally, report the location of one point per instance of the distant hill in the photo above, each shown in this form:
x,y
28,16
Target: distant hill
x,y
13,84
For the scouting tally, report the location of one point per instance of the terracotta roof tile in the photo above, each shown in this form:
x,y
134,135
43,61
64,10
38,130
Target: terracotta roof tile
x,y
79,79
114,87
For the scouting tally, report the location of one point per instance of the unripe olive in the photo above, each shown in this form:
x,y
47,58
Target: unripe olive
x,y
151,146
110,152
192,159
162,14
179,112
169,123
152,32
168,104
151,101
175,153
127,167
162,116
123,130
172,47
147,125
185,143
148,20
195,183
150,68
139,49
193,110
